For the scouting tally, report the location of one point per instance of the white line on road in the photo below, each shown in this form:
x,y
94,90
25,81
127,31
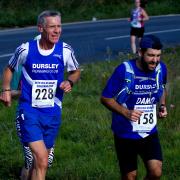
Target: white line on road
x,y
152,32
6,55
115,37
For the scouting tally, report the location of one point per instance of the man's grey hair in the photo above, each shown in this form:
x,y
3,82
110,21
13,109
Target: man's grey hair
x,y
42,17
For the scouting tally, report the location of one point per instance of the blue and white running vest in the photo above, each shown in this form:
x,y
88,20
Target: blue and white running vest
x,y
41,77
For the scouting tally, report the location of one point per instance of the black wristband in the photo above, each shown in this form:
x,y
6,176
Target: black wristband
x,y
71,82
161,107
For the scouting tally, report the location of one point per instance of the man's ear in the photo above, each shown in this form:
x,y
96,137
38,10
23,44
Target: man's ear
x,y
140,53
40,28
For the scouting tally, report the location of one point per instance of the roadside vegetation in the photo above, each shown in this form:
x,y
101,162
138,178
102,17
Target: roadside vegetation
x,y
85,148
20,13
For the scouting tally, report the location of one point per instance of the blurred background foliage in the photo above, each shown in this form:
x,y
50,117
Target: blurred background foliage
x,y
20,13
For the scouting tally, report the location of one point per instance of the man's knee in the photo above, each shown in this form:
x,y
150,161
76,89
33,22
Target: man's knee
x,y
41,162
29,157
154,174
130,176
154,170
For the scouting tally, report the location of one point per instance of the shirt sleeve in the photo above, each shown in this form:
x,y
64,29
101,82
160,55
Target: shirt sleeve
x,y
69,58
115,82
19,56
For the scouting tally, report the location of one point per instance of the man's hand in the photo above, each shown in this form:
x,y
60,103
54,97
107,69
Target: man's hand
x,y
66,86
5,97
134,115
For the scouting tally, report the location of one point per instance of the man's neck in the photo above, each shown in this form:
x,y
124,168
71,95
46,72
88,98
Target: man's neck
x,y
139,64
43,44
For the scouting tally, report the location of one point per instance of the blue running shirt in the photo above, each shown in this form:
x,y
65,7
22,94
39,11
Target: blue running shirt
x,y
144,98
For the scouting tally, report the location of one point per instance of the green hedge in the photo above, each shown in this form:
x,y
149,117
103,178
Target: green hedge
x,y
23,13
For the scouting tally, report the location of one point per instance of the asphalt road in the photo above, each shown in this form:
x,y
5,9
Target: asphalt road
x,y
95,40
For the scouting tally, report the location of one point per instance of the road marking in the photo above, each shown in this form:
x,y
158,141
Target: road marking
x,y
112,38
152,32
6,55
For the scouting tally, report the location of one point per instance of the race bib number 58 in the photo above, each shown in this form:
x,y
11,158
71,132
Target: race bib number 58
x,y
148,119
43,92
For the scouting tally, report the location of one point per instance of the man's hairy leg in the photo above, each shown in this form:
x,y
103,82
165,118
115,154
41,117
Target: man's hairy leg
x,y
40,164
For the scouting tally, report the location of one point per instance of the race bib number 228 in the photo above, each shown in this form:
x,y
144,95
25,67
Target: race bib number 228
x,y
43,92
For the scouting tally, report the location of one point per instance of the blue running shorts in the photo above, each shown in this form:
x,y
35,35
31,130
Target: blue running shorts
x,y
37,126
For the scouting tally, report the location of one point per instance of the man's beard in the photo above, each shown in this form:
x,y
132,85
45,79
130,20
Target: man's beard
x,y
145,65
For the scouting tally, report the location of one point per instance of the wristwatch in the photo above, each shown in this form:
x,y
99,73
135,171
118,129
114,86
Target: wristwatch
x,y
71,82
161,107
